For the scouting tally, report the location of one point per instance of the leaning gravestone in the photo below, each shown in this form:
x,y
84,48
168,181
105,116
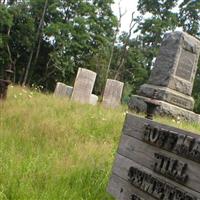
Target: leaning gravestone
x,y
63,90
112,93
83,85
155,162
172,77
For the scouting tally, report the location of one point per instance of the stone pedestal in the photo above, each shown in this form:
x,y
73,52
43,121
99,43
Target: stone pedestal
x,y
168,95
165,109
173,76
83,85
112,93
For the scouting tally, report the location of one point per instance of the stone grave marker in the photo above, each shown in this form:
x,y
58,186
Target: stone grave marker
x,y
83,85
172,77
155,161
94,99
69,90
112,93
63,90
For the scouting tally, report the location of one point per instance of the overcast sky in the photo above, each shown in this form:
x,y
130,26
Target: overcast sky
x,y
129,6
126,5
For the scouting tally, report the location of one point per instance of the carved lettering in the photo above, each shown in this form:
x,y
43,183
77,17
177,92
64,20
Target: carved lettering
x,y
195,152
147,131
189,197
179,195
171,140
162,137
181,144
169,192
171,168
148,183
178,101
154,135
159,190
135,197
188,143
156,187
180,172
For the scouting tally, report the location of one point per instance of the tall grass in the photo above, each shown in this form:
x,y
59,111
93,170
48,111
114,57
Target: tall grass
x,y
52,148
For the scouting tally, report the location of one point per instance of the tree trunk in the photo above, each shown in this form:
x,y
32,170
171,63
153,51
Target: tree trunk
x,y
125,50
38,40
115,37
27,69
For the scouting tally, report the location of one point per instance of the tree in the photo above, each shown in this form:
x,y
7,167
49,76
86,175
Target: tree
x,y
49,39
189,16
37,42
5,25
78,34
161,18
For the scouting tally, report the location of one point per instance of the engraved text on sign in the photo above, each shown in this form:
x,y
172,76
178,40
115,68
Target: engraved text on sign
x,y
156,162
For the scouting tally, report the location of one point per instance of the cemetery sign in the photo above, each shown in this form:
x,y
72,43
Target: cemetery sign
x,y
155,161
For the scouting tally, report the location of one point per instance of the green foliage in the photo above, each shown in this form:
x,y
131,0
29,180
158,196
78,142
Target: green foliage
x,y
190,16
162,18
6,22
70,35
78,32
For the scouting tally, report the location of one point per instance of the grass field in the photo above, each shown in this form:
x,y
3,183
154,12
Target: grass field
x,y
53,148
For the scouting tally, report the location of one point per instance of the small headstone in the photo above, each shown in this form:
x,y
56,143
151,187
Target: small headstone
x,y
69,90
172,77
63,90
83,85
93,99
112,93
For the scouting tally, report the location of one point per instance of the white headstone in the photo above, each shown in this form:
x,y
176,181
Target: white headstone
x,y
112,93
69,91
63,90
94,99
83,85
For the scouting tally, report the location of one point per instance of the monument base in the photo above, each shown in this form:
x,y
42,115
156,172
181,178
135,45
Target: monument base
x,y
137,104
167,95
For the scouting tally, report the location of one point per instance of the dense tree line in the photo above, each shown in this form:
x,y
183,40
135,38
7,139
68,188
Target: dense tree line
x,y
47,40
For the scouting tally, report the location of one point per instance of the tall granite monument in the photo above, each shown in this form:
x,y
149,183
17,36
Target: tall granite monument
x,y
83,85
172,77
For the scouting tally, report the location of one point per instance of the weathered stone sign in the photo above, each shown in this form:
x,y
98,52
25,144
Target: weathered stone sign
x,y
112,93
83,85
156,161
172,77
63,90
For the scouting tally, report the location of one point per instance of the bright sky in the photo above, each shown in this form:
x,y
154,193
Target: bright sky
x,y
127,6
